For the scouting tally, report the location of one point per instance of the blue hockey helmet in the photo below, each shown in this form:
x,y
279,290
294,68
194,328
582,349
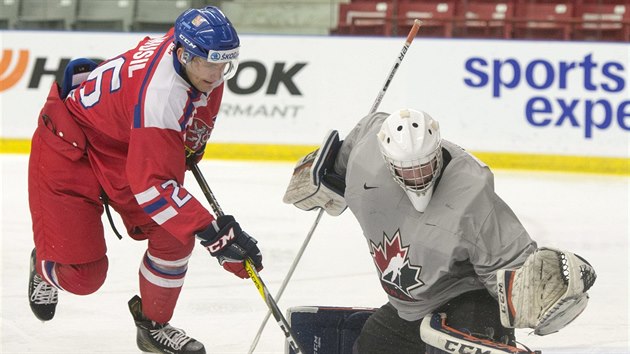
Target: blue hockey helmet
x,y
207,33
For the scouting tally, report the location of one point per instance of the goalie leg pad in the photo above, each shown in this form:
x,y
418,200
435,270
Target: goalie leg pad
x,y
440,338
314,184
546,293
330,330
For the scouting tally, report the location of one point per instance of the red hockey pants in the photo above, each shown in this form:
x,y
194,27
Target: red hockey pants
x,y
66,210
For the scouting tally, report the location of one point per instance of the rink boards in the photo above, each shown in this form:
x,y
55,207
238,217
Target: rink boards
x,y
517,104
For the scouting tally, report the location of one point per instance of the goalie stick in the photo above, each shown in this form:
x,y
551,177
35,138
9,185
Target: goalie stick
x,y
251,270
410,36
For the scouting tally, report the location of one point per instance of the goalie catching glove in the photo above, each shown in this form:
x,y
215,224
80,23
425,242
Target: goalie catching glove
x,y
546,293
314,183
226,241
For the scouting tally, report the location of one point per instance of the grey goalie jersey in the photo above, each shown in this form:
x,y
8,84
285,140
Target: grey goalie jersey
x,y
423,260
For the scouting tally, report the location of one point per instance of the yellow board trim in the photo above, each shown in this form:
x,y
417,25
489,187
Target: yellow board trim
x,y
291,153
15,146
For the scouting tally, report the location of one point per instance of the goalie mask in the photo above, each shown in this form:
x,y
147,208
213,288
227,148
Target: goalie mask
x,y
209,35
411,145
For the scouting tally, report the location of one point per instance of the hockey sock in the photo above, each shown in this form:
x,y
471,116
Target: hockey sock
x,y
47,270
160,284
79,279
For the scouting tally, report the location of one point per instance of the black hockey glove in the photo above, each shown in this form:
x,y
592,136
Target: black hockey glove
x,y
226,241
193,157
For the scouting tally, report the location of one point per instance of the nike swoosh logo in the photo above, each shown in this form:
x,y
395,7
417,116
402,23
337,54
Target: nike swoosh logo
x,y
366,187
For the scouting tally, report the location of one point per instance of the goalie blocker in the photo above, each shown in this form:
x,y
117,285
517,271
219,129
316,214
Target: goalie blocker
x,y
314,184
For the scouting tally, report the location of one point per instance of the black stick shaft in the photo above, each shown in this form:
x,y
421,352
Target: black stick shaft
x,y
249,266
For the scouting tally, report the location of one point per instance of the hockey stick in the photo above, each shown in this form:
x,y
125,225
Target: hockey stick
x,y
377,102
251,270
285,281
412,34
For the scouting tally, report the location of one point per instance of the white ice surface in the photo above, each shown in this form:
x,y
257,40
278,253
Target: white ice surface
x,y
587,214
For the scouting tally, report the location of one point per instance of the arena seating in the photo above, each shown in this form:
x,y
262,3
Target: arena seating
x,y
8,14
602,21
437,17
157,15
47,15
607,20
484,19
365,18
94,15
98,15
591,20
548,20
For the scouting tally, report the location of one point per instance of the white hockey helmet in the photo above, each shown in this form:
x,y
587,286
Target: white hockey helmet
x,y
411,145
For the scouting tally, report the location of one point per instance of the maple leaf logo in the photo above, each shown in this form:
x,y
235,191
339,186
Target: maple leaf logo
x,y
398,276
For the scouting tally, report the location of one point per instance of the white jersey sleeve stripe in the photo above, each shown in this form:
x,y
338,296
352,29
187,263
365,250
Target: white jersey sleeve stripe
x,y
139,110
167,97
163,216
147,195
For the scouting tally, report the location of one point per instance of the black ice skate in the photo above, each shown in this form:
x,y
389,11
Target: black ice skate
x,y
161,338
41,295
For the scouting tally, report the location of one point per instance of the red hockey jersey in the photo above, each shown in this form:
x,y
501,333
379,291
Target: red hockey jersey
x,y
138,114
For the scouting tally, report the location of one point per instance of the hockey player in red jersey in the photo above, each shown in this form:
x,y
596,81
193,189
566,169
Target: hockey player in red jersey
x,y
122,134
459,268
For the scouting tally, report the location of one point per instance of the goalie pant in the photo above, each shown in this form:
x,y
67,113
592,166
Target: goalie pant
x,y
334,330
475,312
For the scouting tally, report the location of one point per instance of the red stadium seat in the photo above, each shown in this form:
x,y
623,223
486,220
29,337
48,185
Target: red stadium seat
x,y
484,19
602,22
437,17
364,18
543,20
602,2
